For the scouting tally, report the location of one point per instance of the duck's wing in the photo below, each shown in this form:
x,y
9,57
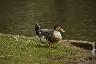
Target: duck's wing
x,y
46,32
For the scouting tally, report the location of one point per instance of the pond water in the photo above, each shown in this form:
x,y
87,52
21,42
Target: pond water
x,y
78,17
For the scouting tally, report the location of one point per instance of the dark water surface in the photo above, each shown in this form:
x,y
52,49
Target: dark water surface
x,y
78,17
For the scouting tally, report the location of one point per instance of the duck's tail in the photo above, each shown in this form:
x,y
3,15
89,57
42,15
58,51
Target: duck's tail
x,y
37,28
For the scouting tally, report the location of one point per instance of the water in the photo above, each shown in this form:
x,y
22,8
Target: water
x,y
78,17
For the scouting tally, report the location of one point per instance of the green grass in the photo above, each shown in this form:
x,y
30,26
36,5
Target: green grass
x,y
27,50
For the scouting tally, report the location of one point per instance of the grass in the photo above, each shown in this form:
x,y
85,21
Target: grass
x,y
16,49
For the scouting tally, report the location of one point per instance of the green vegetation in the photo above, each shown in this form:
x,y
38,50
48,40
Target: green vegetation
x,y
16,49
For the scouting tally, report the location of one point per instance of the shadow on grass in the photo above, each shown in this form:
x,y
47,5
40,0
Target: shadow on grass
x,y
41,46
45,46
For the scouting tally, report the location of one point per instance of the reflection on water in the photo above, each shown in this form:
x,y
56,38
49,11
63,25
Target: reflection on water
x,y
78,17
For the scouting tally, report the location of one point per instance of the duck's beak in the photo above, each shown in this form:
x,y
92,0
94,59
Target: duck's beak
x,y
62,30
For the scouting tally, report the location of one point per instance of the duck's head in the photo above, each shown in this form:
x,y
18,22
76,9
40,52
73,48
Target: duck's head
x,y
59,28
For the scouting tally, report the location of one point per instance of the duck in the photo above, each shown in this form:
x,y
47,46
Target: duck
x,y
51,35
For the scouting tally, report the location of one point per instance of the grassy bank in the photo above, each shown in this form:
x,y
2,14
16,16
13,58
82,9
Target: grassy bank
x,y
16,49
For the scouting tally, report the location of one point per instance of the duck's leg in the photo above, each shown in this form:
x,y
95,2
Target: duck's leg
x,y
49,45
